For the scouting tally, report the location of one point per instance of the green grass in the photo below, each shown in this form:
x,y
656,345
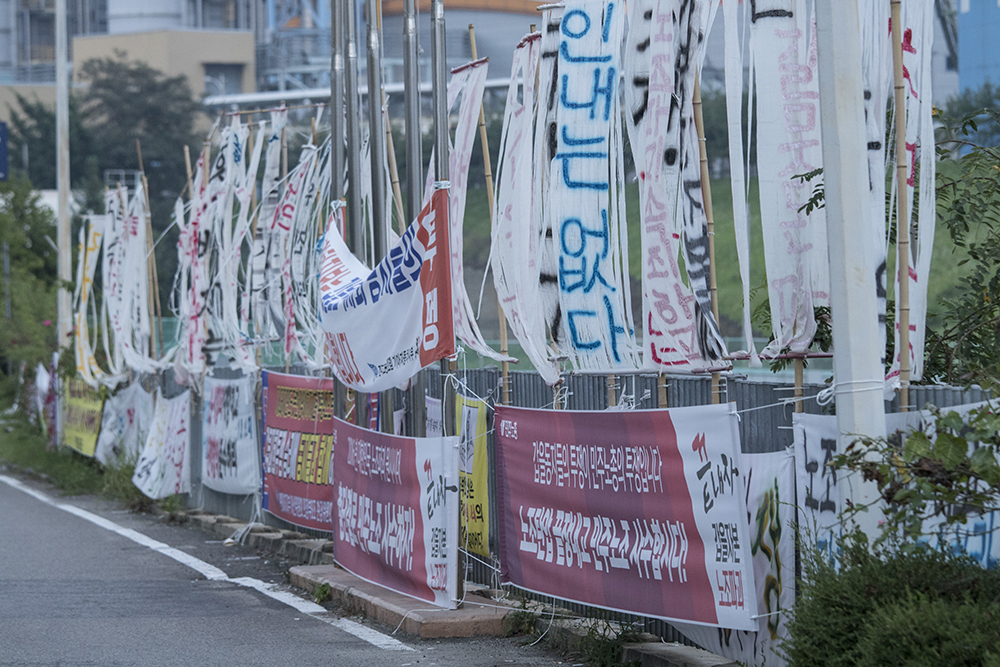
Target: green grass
x,y
23,445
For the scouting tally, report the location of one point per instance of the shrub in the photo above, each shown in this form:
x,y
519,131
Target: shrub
x,y
877,603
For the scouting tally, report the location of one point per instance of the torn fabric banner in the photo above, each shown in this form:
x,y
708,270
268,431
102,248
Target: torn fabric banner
x,y
583,267
396,513
515,235
640,511
230,461
783,49
163,468
124,425
405,298
467,82
84,311
679,329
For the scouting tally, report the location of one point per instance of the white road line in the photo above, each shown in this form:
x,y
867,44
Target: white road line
x,y
213,573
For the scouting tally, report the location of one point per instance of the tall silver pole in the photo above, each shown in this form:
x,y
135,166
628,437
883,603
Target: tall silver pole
x,y
857,369
351,92
376,131
337,98
411,93
440,86
62,173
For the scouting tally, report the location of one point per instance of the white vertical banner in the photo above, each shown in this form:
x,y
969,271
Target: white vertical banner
x,y
164,468
435,418
584,259
679,330
230,459
783,48
514,252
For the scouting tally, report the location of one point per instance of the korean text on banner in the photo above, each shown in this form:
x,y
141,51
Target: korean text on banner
x,y
473,475
641,512
820,497
163,468
770,508
83,417
405,298
396,511
297,425
230,461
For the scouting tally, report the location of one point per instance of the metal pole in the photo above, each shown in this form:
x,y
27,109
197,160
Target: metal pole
x,y
62,173
376,133
411,94
337,99
857,367
355,234
902,212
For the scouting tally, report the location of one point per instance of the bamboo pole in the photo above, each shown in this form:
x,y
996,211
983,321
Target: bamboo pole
x,y
397,193
488,171
902,212
706,195
150,256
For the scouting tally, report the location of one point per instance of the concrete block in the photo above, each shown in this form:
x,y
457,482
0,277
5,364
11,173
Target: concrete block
x,y
672,655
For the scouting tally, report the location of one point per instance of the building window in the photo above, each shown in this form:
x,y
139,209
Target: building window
x,y
223,79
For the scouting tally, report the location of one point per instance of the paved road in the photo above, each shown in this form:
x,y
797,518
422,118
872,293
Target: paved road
x,y
76,593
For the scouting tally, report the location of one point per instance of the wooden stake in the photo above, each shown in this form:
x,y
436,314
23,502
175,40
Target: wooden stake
x,y
706,196
902,213
488,172
190,176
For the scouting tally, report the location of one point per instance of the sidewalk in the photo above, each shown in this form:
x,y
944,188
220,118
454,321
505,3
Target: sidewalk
x,y
479,615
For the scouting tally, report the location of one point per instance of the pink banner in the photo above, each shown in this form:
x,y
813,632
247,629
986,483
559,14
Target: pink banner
x,y
297,423
396,511
642,512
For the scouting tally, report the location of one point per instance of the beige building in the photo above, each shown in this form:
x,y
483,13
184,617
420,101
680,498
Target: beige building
x,y
214,62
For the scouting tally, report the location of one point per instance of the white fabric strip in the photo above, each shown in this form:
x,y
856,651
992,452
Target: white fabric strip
x,y
789,145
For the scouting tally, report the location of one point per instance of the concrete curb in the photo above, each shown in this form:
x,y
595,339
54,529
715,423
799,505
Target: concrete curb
x,y
479,615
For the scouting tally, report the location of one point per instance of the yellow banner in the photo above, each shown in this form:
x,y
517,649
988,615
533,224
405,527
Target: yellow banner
x,y
83,417
470,418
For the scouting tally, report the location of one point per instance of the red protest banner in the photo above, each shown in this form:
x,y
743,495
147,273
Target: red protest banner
x,y
396,511
641,511
297,423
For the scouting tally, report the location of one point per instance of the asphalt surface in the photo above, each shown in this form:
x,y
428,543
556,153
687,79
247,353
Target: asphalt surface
x,y
75,593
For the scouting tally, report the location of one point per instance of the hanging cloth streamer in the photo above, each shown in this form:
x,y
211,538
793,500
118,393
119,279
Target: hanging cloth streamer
x,y
680,332
783,48
515,237
467,83
583,271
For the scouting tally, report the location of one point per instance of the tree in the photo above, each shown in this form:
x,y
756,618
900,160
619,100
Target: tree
x,y
34,127
25,225
973,103
963,335
127,102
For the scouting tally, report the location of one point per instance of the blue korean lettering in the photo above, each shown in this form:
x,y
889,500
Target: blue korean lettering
x,y
569,182
574,336
575,265
615,329
606,91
